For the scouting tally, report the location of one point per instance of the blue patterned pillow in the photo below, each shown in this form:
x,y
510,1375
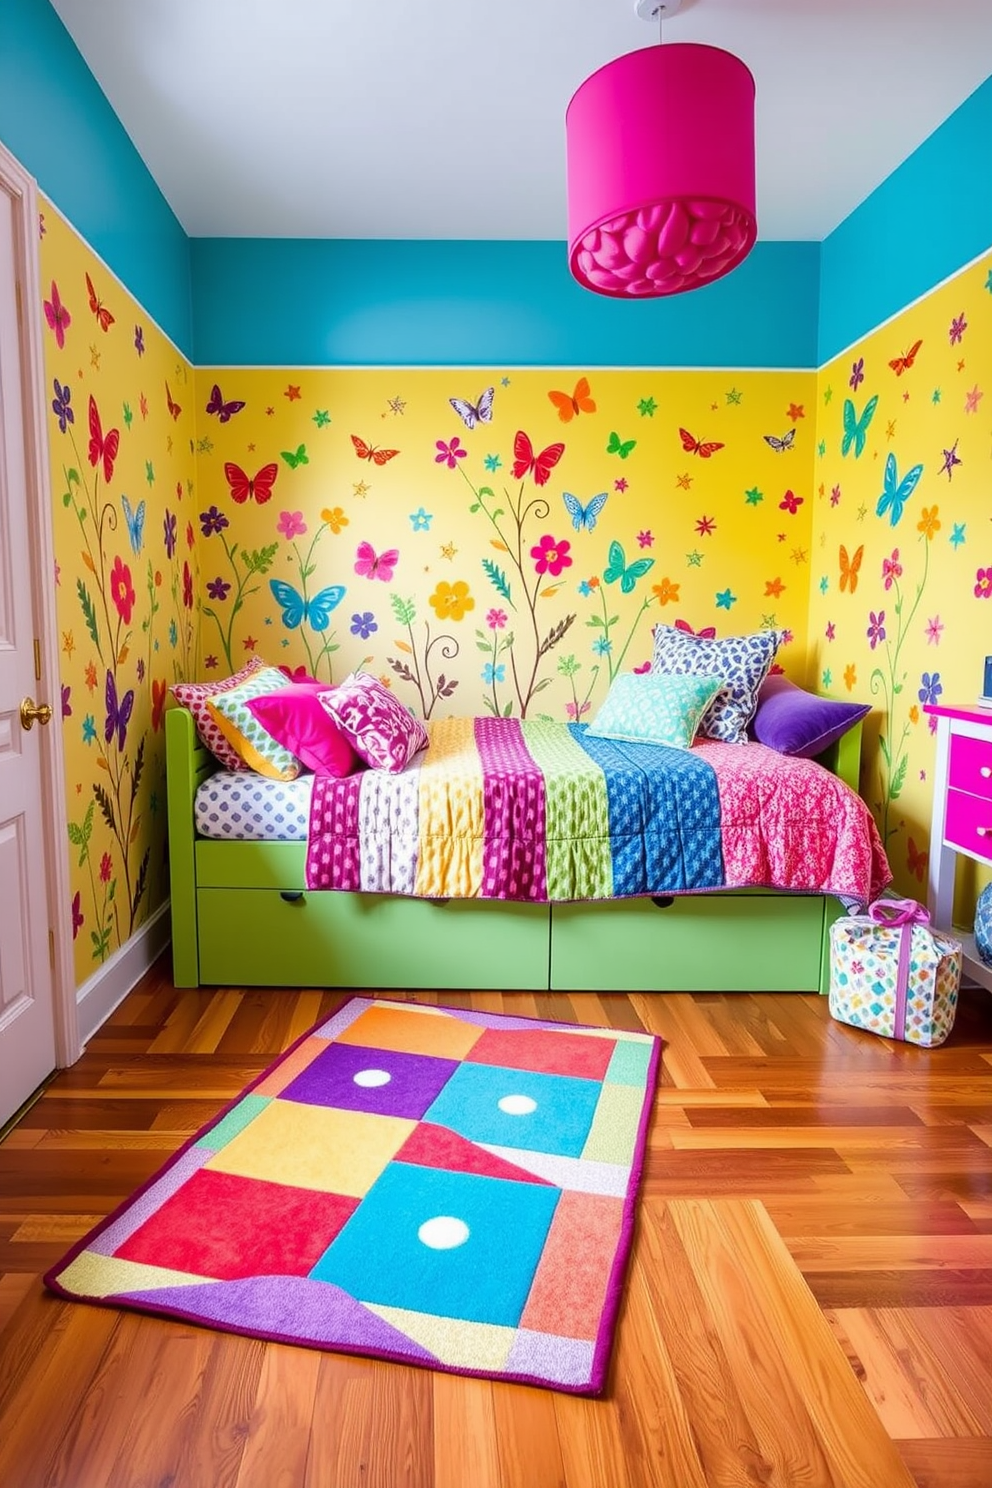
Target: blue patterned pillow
x,y
742,662
649,708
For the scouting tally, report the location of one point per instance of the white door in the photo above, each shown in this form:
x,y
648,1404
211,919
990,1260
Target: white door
x,y
27,1022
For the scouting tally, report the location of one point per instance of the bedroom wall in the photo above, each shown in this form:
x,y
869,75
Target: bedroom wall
x,y
359,518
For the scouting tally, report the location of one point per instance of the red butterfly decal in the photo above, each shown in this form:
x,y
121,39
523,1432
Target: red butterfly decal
x,y
525,460
102,447
174,407
57,316
917,860
244,486
223,410
708,632
901,364
695,446
371,452
99,309
791,503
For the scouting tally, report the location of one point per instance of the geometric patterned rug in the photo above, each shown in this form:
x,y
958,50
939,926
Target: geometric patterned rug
x,y
444,1188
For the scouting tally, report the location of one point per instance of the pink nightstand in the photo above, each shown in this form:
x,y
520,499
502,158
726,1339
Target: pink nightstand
x,y
962,814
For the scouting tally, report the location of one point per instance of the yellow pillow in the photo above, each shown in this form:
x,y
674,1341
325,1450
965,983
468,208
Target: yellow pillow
x,y
253,744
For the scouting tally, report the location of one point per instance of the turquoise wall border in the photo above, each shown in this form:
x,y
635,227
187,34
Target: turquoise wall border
x,y
928,219
56,120
346,302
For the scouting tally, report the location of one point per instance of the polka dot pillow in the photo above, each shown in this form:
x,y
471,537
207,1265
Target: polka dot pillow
x,y
194,696
251,742
651,708
380,729
743,663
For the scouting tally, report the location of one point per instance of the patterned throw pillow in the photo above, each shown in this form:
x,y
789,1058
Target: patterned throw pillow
x,y
253,745
742,662
651,708
380,729
194,696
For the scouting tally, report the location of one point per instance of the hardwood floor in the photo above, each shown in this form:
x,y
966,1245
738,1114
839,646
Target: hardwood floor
x,y
809,1299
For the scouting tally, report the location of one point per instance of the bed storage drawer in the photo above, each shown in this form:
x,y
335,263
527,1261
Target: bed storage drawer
x,y
272,938
758,943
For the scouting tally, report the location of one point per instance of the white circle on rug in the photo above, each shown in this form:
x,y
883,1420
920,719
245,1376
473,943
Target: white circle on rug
x,y
517,1105
443,1232
371,1077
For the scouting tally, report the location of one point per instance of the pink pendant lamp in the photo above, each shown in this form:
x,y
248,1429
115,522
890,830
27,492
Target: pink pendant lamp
x,y
660,149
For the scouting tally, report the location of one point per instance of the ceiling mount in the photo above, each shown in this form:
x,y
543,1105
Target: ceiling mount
x,y
657,10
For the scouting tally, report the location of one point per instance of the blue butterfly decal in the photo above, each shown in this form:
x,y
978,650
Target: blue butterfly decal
x,y
896,492
317,609
584,516
135,523
617,568
856,429
118,713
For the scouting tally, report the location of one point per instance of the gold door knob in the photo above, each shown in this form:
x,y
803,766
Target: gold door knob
x,y
30,710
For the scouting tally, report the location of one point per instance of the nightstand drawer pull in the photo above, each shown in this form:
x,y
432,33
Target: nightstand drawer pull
x,y
986,772
984,831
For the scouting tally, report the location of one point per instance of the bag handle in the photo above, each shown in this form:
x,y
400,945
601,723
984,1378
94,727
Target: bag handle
x,y
896,912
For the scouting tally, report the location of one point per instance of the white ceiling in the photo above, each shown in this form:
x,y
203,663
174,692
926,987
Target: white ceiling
x,y
387,119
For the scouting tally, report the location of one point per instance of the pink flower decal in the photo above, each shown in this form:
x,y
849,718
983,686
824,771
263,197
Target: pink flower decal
x,y
891,569
449,454
122,590
551,557
291,524
983,583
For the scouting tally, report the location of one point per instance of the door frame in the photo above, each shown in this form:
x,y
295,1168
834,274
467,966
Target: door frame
x,y
22,190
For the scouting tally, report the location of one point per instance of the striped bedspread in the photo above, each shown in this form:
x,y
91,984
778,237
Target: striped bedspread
x,y
535,811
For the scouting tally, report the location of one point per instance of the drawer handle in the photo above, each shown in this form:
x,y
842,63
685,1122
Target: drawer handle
x,y
291,896
986,772
662,901
984,831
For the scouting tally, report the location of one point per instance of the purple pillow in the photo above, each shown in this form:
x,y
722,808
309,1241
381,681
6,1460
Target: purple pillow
x,y
796,722
381,730
293,716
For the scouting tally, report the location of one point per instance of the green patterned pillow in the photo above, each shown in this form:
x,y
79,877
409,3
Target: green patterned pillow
x,y
653,708
250,741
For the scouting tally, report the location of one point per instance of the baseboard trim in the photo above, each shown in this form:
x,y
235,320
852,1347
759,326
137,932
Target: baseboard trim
x,y
107,988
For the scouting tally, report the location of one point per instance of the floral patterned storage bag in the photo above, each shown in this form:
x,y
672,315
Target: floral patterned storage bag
x,y
891,974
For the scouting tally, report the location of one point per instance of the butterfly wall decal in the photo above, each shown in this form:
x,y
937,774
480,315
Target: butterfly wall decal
x,y
316,609
475,413
135,523
850,567
781,445
224,410
917,860
617,568
525,460
296,457
371,452
58,317
118,712
99,309
584,516
174,407
896,492
102,447
569,406
617,446
855,428
372,565
245,486
902,363
694,446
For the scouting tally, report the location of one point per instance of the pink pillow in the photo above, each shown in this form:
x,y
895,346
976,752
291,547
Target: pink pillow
x,y
295,719
194,695
381,730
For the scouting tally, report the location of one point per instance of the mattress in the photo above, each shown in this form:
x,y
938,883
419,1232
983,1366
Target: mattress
x,y
240,806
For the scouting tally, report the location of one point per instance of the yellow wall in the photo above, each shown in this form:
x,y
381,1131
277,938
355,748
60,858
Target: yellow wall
x,y
460,620
901,582
126,579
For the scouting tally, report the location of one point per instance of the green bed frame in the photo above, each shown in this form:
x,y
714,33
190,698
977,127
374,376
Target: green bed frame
x,y
242,916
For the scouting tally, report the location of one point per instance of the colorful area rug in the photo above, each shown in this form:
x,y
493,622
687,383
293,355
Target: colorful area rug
x,y
444,1188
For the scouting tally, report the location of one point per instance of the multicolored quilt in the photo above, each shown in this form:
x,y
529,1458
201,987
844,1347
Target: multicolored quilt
x,y
498,808
449,1189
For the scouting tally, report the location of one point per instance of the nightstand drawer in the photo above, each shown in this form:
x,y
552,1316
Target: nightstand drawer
x,y
971,765
968,824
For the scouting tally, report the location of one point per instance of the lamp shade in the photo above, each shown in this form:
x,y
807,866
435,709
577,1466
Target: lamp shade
x,y
660,151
